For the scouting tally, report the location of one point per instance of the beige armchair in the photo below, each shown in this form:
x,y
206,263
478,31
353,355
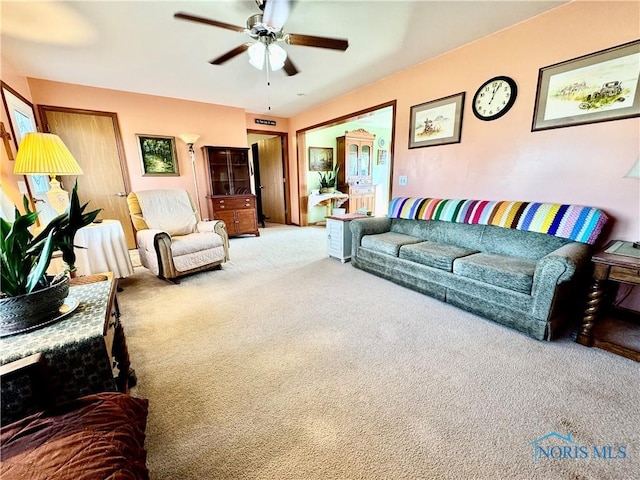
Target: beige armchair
x,y
172,240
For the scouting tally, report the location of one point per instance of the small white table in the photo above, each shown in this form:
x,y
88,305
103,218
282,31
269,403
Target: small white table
x,y
339,235
105,249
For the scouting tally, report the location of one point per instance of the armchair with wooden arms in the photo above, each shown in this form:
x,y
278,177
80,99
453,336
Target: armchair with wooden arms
x,y
172,240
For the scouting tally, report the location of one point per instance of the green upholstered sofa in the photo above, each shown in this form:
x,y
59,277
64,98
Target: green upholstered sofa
x,y
509,274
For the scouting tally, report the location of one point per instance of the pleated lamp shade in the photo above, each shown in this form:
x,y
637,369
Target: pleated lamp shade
x,y
45,154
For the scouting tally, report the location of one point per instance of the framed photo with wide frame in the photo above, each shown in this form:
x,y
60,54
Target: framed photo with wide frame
x,y
22,120
320,159
598,87
438,122
158,156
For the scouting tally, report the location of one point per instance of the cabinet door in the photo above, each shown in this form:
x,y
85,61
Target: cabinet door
x,y
365,160
246,221
229,219
239,167
219,171
353,153
334,238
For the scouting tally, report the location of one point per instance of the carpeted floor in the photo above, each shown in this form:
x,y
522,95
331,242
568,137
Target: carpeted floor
x,y
287,364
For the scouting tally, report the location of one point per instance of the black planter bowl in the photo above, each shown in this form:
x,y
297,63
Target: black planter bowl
x,y
32,310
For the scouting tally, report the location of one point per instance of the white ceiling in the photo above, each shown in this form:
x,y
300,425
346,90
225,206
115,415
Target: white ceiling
x,y
138,46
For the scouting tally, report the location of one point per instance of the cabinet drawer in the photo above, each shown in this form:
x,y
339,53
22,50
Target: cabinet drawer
x,y
236,202
625,274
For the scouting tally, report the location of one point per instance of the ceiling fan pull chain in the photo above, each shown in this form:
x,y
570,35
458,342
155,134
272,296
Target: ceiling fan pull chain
x,y
267,66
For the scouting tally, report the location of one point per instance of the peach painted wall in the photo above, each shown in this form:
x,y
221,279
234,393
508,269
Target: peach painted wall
x,y
11,77
147,114
503,159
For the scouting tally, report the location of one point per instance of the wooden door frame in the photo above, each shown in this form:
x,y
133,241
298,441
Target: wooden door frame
x,y
43,109
302,157
284,138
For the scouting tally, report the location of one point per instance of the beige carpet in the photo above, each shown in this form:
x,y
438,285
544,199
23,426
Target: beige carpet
x,y
287,364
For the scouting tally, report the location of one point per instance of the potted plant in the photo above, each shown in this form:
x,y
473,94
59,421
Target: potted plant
x,y
328,180
29,297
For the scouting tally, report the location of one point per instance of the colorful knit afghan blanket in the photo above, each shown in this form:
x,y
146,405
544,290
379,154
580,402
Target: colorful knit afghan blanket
x,y
582,224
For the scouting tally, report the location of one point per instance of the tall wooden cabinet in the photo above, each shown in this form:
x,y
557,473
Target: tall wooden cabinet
x,y
355,159
230,197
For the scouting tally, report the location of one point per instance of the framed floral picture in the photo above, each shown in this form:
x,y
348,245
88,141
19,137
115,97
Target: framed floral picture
x,y
438,122
598,87
158,155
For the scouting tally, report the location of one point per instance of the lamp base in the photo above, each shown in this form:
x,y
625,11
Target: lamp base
x,y
58,198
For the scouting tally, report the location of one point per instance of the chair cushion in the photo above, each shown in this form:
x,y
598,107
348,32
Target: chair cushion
x,y
388,242
169,210
194,242
434,254
512,273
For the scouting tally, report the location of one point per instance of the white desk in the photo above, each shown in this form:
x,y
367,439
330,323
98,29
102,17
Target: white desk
x,y
106,250
327,200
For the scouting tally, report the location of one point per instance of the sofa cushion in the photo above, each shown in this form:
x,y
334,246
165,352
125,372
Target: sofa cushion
x,y
500,270
434,254
388,242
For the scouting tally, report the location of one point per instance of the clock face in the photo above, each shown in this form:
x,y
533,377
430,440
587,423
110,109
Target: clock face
x,y
494,98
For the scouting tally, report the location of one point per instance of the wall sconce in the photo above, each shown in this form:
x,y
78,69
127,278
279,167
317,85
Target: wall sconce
x,y
46,154
190,139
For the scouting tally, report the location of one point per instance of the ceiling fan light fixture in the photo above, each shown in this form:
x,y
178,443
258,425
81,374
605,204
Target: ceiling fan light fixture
x,y
277,56
256,55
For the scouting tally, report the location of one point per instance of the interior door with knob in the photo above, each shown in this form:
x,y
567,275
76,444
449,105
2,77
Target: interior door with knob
x,y
94,140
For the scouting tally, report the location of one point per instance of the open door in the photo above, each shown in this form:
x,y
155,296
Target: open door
x,y
270,165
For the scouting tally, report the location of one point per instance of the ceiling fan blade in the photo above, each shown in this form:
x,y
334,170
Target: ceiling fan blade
x,y
230,54
207,21
276,13
290,68
320,42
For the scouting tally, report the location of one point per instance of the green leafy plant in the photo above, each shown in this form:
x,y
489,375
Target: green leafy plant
x,y
25,258
329,179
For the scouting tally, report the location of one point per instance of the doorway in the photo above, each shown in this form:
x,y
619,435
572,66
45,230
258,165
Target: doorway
x,y
94,140
270,175
378,120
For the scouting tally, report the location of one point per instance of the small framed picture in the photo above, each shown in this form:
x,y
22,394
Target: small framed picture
x,y
158,155
320,159
598,87
383,156
438,122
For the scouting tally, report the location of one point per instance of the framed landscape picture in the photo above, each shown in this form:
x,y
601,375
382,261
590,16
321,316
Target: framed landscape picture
x,y
320,159
158,155
598,87
438,122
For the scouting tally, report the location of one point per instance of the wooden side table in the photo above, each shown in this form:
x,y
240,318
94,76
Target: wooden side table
x,y
608,267
81,351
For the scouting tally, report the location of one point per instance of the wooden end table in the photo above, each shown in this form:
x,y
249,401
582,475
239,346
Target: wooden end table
x,y
609,267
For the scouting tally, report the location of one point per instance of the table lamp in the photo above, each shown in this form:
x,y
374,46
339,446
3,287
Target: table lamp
x,y
46,154
190,139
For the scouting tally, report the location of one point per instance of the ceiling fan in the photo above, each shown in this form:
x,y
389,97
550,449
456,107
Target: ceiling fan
x,y
266,29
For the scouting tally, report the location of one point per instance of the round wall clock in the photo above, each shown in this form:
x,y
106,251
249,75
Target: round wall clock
x,y
494,98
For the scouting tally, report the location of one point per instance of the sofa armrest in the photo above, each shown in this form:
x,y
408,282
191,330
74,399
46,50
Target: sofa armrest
x,y
219,227
555,268
366,226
